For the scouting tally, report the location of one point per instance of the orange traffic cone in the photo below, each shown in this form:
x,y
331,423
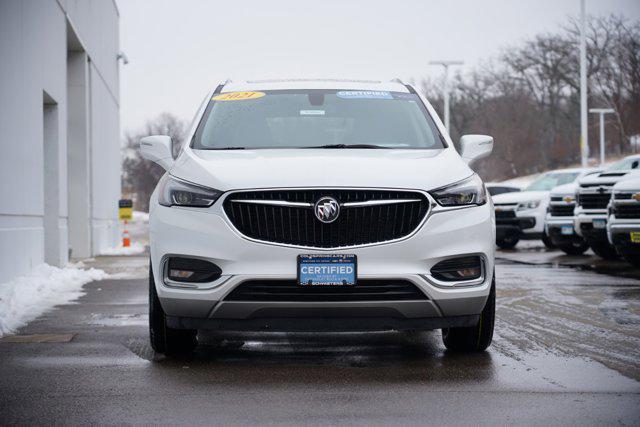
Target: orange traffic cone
x,y
126,239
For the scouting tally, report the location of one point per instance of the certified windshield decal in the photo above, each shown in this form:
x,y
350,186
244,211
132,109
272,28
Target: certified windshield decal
x,y
364,94
238,96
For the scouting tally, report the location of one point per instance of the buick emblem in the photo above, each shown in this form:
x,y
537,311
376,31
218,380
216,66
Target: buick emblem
x,y
327,209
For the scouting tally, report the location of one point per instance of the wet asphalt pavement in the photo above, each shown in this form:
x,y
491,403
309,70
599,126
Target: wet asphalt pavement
x,y
566,350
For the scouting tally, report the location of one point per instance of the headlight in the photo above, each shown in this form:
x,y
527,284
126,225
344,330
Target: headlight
x,y
524,206
470,191
174,192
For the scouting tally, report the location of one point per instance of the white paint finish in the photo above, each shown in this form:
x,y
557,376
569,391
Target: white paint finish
x,y
33,60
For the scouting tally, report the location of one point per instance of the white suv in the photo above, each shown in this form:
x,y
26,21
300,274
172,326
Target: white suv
x,y
320,206
592,198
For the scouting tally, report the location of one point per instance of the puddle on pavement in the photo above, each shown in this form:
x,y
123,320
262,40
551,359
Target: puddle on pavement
x,y
38,338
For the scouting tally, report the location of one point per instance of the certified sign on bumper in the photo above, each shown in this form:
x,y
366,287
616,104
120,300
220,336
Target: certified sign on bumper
x,y
327,270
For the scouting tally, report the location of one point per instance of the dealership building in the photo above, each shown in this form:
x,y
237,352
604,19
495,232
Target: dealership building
x,y
59,131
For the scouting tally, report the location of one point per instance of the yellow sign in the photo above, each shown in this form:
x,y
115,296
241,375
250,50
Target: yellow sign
x,y
238,96
125,209
636,197
635,237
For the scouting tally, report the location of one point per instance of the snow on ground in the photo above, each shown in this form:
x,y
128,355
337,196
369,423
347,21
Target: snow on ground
x,y
136,248
27,297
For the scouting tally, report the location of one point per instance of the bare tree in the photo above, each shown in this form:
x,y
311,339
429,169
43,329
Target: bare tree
x,y
140,176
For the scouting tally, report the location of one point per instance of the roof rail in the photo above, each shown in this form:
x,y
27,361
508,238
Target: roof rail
x,y
221,85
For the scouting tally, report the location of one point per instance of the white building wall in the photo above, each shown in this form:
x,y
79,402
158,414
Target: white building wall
x,y
33,158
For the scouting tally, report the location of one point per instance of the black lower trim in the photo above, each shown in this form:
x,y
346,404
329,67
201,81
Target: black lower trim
x,y
594,235
559,239
623,244
326,324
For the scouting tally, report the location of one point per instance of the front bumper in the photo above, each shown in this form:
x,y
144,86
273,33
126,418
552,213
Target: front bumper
x,y
554,226
207,234
583,225
619,234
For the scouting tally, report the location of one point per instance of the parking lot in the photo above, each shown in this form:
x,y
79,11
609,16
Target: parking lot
x,y
566,348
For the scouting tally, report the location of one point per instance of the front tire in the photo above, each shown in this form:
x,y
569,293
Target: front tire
x,y
547,242
163,339
475,338
604,250
508,242
633,259
574,248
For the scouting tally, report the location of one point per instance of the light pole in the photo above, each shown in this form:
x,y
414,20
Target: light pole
x,y
602,112
584,136
445,90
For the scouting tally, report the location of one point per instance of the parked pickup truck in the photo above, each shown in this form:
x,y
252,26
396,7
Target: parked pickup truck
x,y
623,226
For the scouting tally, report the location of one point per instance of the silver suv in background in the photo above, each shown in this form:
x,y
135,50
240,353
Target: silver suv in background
x,y
623,226
592,197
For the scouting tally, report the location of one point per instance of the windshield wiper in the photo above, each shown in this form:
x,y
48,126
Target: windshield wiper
x,y
226,148
347,146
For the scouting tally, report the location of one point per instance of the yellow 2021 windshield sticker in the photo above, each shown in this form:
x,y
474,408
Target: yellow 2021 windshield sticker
x,y
238,96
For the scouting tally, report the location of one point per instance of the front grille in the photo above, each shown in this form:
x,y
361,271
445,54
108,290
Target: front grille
x,y
561,210
594,200
298,225
290,290
627,211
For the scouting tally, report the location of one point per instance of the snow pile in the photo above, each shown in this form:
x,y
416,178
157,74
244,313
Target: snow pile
x,y
135,249
27,297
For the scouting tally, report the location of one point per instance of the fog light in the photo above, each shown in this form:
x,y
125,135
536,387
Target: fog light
x,y
179,274
454,269
191,270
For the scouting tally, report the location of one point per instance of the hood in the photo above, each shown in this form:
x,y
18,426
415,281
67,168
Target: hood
x,y
631,184
242,169
565,190
609,178
521,196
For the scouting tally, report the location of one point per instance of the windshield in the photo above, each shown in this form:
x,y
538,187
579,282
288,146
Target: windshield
x,y
625,164
549,180
316,118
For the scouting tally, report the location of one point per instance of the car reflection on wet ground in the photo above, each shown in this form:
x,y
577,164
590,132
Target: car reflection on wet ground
x,y
566,349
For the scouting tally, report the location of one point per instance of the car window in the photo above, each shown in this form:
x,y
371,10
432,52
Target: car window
x,y
495,190
625,164
549,180
316,118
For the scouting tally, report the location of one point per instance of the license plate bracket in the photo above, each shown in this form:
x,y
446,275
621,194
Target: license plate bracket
x,y
327,269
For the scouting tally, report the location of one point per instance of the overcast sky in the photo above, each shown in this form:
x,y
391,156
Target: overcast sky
x,y
178,50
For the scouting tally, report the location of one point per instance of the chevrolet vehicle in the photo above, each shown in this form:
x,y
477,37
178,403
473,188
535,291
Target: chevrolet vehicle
x,y
320,205
521,215
592,198
623,225
559,220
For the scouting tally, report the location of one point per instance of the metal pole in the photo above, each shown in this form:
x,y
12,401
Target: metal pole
x,y
602,112
601,138
584,136
445,88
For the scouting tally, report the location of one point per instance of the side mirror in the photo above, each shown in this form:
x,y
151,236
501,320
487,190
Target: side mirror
x,y
475,147
157,148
